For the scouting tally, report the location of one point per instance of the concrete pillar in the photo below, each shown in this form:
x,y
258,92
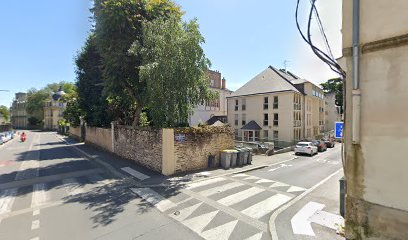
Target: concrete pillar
x,y
168,157
113,135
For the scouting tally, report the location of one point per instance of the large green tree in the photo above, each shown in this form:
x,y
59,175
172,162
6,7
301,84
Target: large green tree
x,y
334,85
118,24
91,101
5,112
174,69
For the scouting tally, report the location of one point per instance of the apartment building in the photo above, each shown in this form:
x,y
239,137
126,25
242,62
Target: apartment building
x,y
332,111
376,132
19,116
53,110
277,106
216,109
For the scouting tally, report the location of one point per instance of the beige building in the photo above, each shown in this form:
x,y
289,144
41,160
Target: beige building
x,y
53,110
277,106
332,112
376,130
19,116
213,110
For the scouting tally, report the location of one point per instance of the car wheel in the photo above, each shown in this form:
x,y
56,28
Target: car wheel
x,y
296,153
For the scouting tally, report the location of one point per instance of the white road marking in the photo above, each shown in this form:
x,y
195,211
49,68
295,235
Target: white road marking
x,y
264,181
7,200
220,189
241,175
281,166
39,195
300,221
154,198
222,232
135,173
330,220
35,238
257,236
35,225
72,186
204,183
197,224
279,184
260,209
252,178
36,212
296,189
185,213
240,196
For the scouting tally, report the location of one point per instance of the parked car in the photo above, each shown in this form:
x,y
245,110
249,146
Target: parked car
x,y
329,142
305,148
321,146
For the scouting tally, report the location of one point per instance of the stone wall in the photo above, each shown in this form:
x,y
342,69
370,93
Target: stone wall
x,y
142,145
193,145
101,137
75,133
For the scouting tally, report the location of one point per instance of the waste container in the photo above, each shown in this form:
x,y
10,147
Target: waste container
x,y
246,154
226,156
240,157
211,161
250,150
234,154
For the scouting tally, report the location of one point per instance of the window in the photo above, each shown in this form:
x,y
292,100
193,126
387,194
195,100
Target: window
x,y
265,122
275,119
243,104
236,120
275,102
265,135
275,135
265,105
212,82
236,105
243,119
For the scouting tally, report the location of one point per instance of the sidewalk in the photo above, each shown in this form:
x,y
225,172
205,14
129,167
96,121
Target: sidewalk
x,y
115,164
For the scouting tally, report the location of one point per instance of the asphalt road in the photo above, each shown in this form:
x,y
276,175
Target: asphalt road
x,y
50,191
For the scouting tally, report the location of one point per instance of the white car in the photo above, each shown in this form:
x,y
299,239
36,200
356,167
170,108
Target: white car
x,y
305,148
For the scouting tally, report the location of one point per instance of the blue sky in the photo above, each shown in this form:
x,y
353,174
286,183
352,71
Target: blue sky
x,y
39,39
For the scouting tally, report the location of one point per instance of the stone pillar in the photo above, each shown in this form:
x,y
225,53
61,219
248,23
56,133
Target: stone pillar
x,y
168,158
113,135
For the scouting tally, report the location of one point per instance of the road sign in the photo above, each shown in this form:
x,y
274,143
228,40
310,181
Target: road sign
x,y
338,129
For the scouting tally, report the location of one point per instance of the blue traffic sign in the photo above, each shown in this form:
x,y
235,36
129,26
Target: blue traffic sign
x,y
338,129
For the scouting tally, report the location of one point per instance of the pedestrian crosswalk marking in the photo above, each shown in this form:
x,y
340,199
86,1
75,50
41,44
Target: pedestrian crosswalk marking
x,y
7,200
262,208
39,195
221,188
204,183
264,181
35,225
154,198
186,212
197,224
295,189
257,236
252,178
222,232
279,184
135,173
240,196
240,175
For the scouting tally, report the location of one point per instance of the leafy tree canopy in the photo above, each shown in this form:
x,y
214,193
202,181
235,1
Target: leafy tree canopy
x,y
5,112
174,69
334,85
118,24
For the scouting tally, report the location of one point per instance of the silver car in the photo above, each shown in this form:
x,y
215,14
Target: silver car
x,y
305,148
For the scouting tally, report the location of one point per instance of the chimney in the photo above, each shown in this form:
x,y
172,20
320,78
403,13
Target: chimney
x,y
223,83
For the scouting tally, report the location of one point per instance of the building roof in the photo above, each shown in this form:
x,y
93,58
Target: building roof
x,y
252,125
268,81
56,96
214,119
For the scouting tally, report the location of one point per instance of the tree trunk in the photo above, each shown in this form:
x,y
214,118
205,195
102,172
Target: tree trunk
x,y
136,116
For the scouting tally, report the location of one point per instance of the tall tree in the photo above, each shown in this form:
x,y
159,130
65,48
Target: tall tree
x,y
334,85
118,23
5,112
91,101
174,69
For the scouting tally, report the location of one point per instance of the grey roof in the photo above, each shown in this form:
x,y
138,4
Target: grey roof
x,y
56,96
252,125
298,81
268,81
